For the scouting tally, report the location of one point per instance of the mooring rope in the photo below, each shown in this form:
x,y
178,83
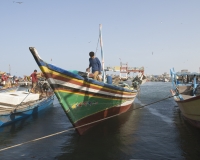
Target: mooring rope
x,y
23,100
154,102
73,128
20,103
36,87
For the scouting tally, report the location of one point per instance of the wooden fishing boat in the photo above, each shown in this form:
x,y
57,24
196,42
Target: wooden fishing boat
x,y
85,101
18,105
187,95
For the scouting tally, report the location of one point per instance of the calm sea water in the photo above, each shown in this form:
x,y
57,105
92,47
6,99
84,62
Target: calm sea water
x,y
156,131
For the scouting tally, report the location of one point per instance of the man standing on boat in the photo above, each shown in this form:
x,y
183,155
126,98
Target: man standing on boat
x,y
96,66
34,81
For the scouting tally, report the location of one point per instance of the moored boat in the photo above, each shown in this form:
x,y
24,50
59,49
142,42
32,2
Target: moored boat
x,y
18,105
187,95
85,101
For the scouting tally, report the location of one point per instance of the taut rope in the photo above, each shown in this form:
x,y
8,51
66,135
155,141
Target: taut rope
x,y
73,128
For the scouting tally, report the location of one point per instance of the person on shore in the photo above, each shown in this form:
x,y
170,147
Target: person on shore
x,y
4,79
96,66
34,81
8,82
13,80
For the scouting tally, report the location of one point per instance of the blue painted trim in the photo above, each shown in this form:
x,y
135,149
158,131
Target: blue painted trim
x,y
7,119
40,63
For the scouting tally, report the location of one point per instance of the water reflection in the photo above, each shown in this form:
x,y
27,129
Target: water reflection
x,y
189,137
104,141
154,132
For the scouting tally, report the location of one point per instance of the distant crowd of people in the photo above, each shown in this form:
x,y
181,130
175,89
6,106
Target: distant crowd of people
x,y
37,85
8,81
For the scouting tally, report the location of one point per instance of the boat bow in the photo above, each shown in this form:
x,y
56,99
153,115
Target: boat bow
x,y
85,101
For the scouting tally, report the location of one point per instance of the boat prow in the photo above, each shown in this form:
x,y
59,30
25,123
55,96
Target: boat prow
x,y
85,101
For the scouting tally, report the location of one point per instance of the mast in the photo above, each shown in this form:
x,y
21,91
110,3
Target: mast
x,y
173,78
195,84
9,69
102,55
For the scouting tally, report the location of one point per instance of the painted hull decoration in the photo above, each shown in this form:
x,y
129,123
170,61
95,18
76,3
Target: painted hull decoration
x,y
187,95
12,110
85,100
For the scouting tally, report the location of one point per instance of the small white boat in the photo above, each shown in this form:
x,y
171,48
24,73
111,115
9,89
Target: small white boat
x,y
17,105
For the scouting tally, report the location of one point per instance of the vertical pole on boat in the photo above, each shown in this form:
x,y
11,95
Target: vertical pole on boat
x,y
102,56
174,82
120,68
175,76
172,78
195,84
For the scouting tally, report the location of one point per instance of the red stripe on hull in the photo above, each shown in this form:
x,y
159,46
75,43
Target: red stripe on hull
x,y
99,116
87,93
82,84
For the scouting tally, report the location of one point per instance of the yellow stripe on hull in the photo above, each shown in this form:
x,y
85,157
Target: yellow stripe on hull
x,y
48,71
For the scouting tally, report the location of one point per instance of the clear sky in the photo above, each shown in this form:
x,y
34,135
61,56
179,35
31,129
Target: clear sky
x,y
156,34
